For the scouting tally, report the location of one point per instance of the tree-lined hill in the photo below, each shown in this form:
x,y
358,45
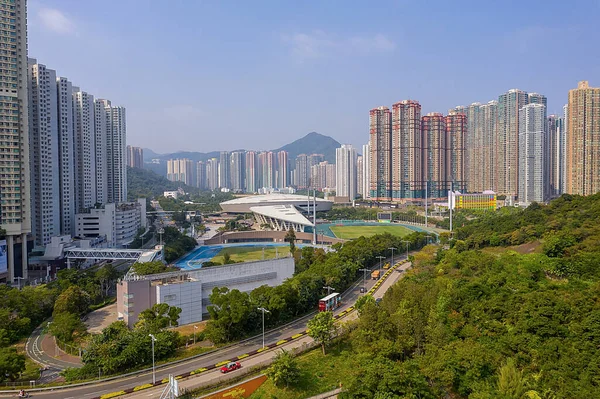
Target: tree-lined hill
x,y
468,322
143,183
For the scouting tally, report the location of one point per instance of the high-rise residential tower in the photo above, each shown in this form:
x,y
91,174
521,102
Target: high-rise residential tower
x,y
366,172
507,150
224,170
359,175
556,154
456,133
85,153
345,178
15,208
237,171
116,152
251,172
267,166
43,150
182,170
533,157
380,144
583,140
66,156
212,174
302,171
434,153
135,157
407,147
102,129
201,175
282,173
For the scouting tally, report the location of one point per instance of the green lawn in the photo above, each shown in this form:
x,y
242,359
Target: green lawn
x,y
352,232
319,374
247,254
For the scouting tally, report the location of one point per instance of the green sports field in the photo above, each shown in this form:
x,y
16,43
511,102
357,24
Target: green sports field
x,y
248,254
352,232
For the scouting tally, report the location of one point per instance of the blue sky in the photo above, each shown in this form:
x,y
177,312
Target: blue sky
x,y
201,75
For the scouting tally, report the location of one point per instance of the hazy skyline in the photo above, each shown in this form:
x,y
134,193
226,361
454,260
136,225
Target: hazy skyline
x,y
208,75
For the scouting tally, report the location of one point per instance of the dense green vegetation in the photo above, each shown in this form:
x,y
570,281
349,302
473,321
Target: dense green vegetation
x,y
119,349
176,243
146,268
234,313
144,183
467,323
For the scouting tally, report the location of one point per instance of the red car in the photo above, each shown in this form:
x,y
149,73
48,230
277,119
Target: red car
x,y
230,367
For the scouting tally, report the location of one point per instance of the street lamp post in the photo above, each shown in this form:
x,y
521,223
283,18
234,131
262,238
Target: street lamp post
x,y
329,289
160,232
393,249
153,368
407,242
380,259
364,278
263,310
195,328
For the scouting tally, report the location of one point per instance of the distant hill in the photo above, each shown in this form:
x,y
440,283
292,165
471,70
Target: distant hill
x,y
312,143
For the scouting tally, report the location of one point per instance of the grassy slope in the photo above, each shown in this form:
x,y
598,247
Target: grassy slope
x,y
319,374
352,232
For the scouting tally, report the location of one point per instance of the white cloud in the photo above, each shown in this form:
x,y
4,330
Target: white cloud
x,y
55,21
316,44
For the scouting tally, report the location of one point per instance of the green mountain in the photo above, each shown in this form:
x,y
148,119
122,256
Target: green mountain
x,y
312,143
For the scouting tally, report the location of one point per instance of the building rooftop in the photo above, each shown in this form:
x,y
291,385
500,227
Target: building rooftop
x,y
288,213
270,198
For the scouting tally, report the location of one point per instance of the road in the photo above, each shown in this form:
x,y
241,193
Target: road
x,y
210,359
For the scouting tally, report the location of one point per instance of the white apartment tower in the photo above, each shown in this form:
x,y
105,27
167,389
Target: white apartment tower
x,y
66,166
15,209
85,152
345,164
101,128
43,147
533,148
366,172
117,154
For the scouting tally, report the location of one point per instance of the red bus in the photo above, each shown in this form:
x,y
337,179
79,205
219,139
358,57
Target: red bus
x,y
330,302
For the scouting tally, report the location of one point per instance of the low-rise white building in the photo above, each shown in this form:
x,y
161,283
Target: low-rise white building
x,y
190,290
119,223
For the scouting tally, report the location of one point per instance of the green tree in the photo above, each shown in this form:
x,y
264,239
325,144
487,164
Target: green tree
x,y
321,328
147,268
106,275
291,238
158,317
229,314
284,370
73,300
362,302
12,364
65,326
227,259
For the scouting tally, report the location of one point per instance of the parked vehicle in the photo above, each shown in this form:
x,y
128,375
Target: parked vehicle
x,y
230,367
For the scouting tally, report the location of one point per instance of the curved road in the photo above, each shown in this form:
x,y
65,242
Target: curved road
x,y
210,359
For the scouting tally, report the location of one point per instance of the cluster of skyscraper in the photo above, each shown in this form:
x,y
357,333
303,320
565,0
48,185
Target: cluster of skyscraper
x,y
510,146
77,148
410,156
239,171
61,150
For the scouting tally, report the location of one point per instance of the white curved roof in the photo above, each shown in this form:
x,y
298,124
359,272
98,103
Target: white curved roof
x,y
288,213
270,198
243,204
